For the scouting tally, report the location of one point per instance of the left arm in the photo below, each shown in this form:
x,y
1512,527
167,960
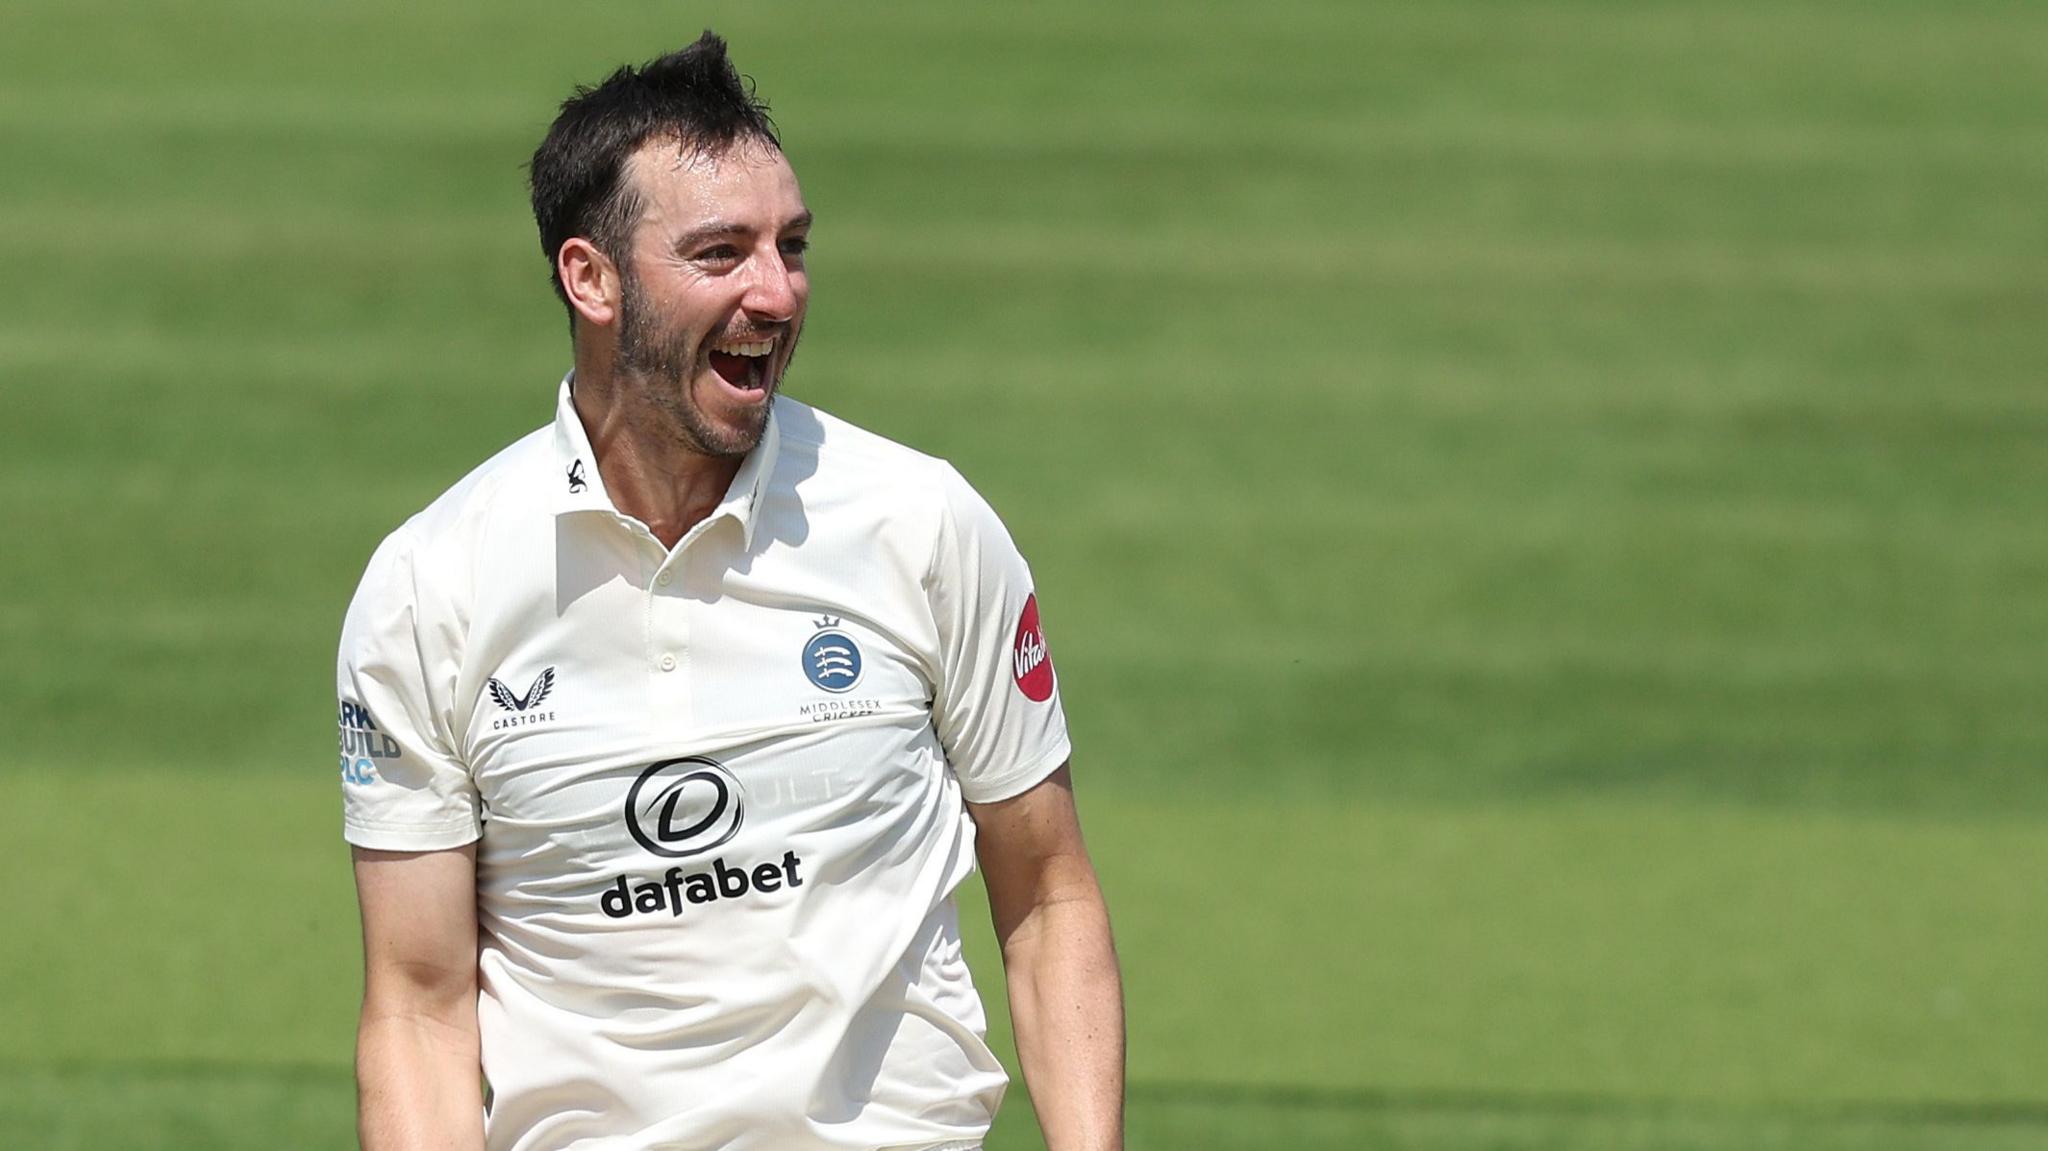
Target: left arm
x,y
1066,997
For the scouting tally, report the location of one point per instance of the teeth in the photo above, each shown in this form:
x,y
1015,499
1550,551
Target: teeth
x,y
732,349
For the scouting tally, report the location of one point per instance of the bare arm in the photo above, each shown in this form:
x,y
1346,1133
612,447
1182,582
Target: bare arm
x,y
1066,997
418,1066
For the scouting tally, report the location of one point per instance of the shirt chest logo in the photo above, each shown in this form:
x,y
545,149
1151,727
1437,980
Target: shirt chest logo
x,y
831,660
680,808
684,807
522,707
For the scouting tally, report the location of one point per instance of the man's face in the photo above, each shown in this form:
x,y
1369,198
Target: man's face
x,y
713,289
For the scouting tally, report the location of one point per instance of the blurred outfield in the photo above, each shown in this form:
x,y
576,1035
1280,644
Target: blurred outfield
x,y
1542,512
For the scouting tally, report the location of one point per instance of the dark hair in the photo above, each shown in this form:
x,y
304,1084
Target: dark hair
x,y
693,98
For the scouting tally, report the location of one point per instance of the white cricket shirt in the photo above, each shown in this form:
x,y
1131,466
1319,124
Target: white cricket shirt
x,y
717,790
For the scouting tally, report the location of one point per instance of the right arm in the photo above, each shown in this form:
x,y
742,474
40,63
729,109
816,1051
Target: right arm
x,y
419,1081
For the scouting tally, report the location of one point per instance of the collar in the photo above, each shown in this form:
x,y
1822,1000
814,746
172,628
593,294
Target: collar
x,y
579,488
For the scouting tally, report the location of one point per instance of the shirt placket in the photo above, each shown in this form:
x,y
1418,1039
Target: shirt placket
x,y
669,650
668,642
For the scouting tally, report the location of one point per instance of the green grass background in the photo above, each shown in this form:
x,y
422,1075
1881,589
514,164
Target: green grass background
x,y
1541,510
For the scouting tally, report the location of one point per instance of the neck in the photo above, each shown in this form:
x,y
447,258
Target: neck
x,y
649,470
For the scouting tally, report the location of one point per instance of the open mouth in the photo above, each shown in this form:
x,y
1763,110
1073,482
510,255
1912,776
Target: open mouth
x,y
742,364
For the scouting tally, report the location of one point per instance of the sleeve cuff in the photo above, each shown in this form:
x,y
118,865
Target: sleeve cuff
x,y
428,837
1018,780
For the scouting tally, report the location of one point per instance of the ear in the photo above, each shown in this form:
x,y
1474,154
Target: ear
x,y
590,279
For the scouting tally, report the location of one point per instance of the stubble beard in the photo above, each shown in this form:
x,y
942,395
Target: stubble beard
x,y
663,363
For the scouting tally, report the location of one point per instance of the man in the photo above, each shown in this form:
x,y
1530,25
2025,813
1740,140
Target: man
x,y
669,732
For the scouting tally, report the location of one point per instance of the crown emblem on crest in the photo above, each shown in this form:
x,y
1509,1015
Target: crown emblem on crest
x,y
825,621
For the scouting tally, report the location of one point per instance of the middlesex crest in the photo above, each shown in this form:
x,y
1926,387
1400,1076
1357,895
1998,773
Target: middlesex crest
x,y
831,659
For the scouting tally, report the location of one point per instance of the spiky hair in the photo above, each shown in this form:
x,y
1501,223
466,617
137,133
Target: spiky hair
x,y
693,98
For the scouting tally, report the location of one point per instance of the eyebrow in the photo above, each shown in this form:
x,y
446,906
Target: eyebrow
x,y
717,229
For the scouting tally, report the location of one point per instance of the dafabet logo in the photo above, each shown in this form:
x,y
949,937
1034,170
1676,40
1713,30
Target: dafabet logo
x,y
680,808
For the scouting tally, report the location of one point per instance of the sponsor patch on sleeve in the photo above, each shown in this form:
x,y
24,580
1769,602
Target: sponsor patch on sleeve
x,y
1031,661
363,745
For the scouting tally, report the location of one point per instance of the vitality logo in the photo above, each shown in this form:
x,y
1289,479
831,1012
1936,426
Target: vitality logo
x,y
687,807
1031,659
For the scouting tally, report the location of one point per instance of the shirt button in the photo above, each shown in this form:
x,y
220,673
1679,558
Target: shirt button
x,y
668,663
665,578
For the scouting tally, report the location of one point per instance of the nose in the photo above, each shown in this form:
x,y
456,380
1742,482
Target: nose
x,y
777,290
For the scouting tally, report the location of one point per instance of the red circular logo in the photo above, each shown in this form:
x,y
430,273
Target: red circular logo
x,y
1030,659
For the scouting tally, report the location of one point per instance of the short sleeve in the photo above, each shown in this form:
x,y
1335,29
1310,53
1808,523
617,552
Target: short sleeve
x,y
996,706
403,789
